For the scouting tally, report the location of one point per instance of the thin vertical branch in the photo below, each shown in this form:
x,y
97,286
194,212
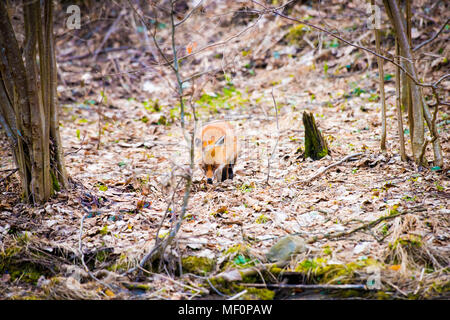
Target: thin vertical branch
x,y
431,123
278,139
398,106
45,83
407,82
176,65
381,85
160,246
58,168
173,232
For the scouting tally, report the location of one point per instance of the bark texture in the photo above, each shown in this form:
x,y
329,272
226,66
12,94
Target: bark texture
x,y
28,103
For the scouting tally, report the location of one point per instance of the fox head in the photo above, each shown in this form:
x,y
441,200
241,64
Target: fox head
x,y
212,157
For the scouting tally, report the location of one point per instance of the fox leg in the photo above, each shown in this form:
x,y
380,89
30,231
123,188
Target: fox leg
x,y
227,172
230,172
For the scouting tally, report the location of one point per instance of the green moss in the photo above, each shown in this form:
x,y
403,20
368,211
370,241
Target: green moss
x,y
327,250
252,278
315,145
197,265
409,241
258,294
381,295
275,270
238,248
238,256
296,33
102,256
121,264
137,286
30,297
28,273
229,98
11,262
262,219
231,288
55,182
223,286
348,293
440,287
245,187
7,257
319,270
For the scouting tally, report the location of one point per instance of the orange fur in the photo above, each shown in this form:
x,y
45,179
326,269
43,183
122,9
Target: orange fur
x,y
219,147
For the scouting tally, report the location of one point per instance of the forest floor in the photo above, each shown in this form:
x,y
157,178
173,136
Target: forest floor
x,y
123,180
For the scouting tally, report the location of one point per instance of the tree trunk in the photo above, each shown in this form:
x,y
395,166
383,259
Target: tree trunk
x,y
28,101
417,108
315,146
416,117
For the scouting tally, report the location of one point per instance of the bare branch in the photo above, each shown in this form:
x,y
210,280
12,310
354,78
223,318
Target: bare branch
x,y
276,12
432,38
325,169
307,286
189,14
220,43
278,138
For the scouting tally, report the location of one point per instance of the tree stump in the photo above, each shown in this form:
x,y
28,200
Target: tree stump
x,y
315,146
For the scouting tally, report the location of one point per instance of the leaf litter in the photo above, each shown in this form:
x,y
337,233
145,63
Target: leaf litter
x,y
124,187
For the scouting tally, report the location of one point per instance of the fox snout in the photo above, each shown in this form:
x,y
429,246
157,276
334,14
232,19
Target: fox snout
x,y
209,174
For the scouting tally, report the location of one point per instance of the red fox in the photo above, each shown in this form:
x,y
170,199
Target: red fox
x,y
219,149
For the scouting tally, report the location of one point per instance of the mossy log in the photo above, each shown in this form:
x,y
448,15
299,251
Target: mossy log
x,y
315,145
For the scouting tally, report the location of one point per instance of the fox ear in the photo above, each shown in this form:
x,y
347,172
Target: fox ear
x,y
220,141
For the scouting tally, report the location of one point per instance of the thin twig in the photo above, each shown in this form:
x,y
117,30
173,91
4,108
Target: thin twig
x,y
63,58
395,287
183,285
238,295
220,43
325,169
368,225
189,14
108,34
278,138
160,246
9,174
80,249
433,37
307,286
81,147
168,62
167,211
274,11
